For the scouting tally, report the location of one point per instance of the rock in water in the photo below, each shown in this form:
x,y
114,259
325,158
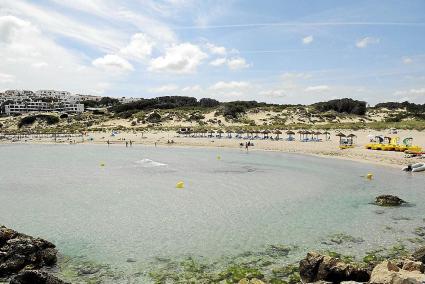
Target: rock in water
x,y
419,255
317,267
18,251
35,277
252,281
388,200
387,273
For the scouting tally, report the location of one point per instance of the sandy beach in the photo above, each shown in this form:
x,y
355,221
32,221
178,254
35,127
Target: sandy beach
x,y
329,149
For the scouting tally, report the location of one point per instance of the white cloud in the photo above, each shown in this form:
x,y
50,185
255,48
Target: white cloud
x,y
6,78
39,65
56,23
233,63
319,88
112,62
407,60
274,93
119,13
218,50
412,95
181,59
417,91
9,26
100,88
221,85
294,76
308,39
364,42
218,62
237,63
25,47
164,89
140,47
194,88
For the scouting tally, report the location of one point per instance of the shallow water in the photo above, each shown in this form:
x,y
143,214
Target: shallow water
x,y
237,202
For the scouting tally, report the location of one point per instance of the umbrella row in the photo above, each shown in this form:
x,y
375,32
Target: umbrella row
x,y
304,134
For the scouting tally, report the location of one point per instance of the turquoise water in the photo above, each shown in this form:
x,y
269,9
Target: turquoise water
x,y
130,208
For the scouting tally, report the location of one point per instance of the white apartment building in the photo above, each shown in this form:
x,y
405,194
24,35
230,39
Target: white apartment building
x,y
53,94
22,101
83,98
40,106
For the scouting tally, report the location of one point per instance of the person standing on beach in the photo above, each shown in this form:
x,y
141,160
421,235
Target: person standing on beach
x,y
155,144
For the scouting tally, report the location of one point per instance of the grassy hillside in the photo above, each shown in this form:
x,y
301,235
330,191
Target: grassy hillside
x,y
175,112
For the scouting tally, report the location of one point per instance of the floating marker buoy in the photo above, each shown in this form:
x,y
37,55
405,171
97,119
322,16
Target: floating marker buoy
x,y
369,176
180,184
218,157
102,164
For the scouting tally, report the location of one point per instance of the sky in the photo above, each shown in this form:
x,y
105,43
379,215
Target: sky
x,y
276,51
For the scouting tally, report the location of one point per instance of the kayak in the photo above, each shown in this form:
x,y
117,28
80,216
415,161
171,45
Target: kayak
x,y
418,167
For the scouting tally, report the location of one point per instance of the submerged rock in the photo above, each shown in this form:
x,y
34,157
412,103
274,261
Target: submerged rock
x,y
19,251
388,200
419,231
250,281
387,272
317,267
35,277
340,238
419,255
410,265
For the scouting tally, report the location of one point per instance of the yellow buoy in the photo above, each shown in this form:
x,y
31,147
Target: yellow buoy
x,y
102,164
369,176
218,157
180,184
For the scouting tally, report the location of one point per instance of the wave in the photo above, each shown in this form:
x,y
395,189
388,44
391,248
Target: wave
x,y
148,163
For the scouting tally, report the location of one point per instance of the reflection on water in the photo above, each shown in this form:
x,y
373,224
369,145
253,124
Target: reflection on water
x,y
130,209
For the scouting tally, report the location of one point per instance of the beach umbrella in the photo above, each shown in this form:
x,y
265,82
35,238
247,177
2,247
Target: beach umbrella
x,y
266,133
327,135
307,133
248,131
290,133
340,135
300,132
351,137
317,133
219,132
277,132
229,133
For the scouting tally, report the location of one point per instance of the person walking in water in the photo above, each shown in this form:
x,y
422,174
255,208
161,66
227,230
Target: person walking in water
x,y
107,142
126,144
131,143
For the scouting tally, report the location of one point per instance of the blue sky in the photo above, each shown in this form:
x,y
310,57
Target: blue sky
x,y
273,51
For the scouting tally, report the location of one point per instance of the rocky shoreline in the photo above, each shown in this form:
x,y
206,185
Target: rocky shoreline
x,y
25,259
22,258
